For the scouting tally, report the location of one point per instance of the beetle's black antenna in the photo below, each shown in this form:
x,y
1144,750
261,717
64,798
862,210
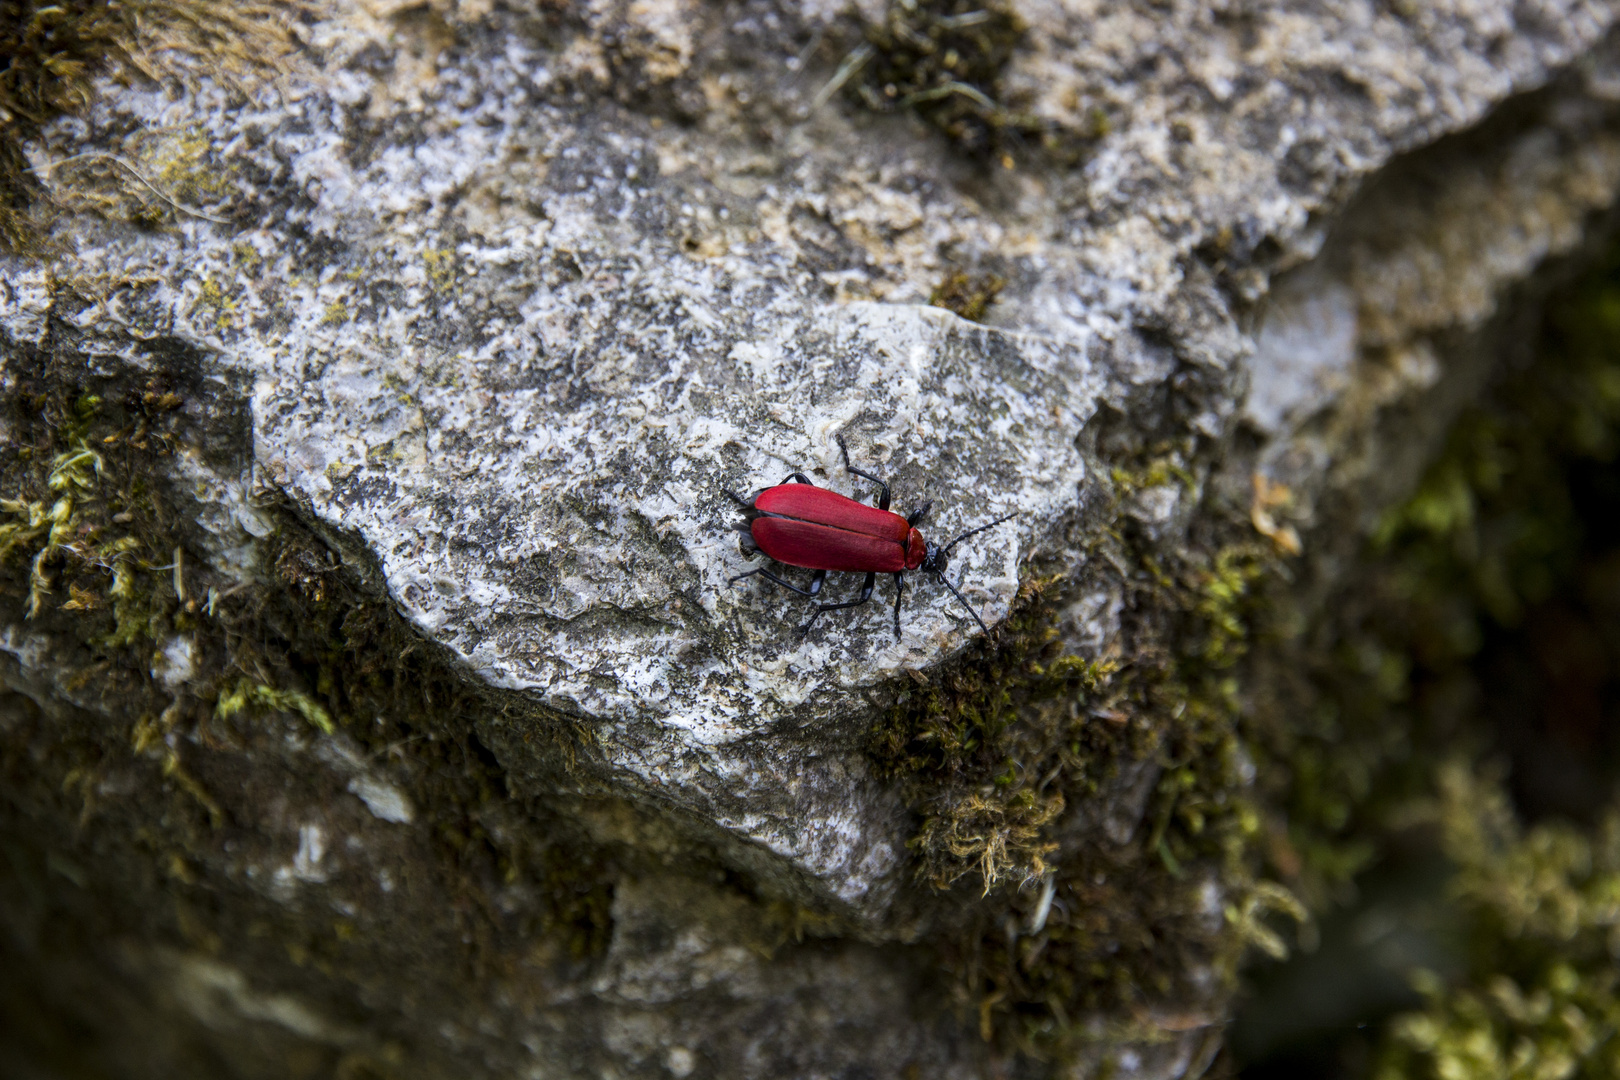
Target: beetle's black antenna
x,y
947,548
944,581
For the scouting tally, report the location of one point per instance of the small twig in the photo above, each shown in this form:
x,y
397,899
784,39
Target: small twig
x,y
391,747
857,58
963,21
810,50
962,89
180,574
133,171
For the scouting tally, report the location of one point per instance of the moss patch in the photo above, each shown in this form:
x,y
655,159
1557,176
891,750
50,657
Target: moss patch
x,y
186,684
53,50
1543,904
1005,755
1458,699
941,59
56,50
1503,556
968,295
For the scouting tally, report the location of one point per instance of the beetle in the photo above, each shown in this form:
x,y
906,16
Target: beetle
x,y
799,524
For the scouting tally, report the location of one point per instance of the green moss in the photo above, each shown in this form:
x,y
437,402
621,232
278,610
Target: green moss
x,y
186,167
211,296
1543,905
248,694
1487,536
969,296
138,613
304,637
71,535
953,733
1390,712
441,269
941,59
1223,606
1247,917
1160,470
998,750
54,51
58,532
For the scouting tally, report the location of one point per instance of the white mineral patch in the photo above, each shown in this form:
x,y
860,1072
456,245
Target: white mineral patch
x,y
383,799
174,664
1303,353
306,863
220,996
25,303
29,648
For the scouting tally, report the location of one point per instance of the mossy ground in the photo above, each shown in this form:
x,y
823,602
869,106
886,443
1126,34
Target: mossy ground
x,y
942,61
54,51
968,295
1456,705
153,801
1453,702
1003,753
96,561
103,569
996,752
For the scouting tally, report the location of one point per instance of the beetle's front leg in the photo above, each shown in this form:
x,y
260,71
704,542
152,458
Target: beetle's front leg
x,y
866,594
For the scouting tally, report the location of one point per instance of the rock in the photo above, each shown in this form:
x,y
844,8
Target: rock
x,y
426,363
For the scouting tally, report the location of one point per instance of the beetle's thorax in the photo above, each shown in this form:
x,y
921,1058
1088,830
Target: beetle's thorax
x,y
918,550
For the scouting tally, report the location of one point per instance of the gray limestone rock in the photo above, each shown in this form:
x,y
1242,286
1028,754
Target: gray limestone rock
x,y
492,304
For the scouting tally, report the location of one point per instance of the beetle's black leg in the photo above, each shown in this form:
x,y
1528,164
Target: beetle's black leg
x,y
815,583
798,478
739,500
883,496
917,515
899,590
866,594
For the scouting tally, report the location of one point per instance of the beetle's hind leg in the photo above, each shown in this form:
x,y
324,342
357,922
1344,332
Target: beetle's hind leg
x,y
813,591
866,594
899,591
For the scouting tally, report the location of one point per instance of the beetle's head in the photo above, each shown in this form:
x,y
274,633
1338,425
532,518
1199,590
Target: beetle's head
x,y
935,559
745,528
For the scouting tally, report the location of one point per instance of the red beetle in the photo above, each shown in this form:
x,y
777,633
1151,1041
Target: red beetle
x,y
800,524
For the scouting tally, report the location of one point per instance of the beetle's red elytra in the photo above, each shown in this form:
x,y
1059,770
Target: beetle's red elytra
x,y
799,524
819,529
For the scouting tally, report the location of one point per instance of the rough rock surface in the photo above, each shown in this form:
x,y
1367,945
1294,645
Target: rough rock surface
x,y
499,301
